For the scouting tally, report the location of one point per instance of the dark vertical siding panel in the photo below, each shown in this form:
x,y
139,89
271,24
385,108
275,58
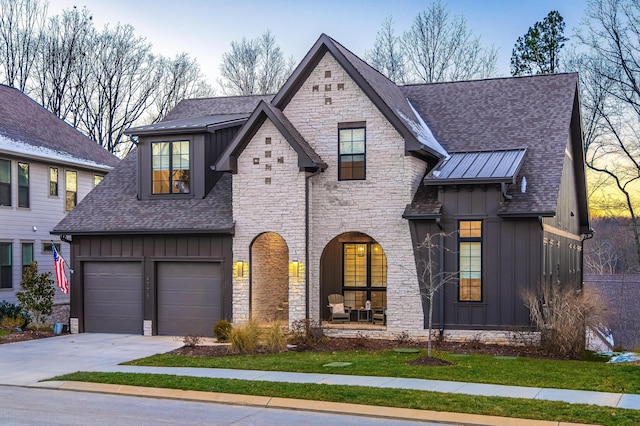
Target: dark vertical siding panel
x,y
182,246
116,246
105,246
127,246
193,246
170,243
95,247
204,246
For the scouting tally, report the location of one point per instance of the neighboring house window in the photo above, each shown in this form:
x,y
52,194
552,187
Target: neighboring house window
x,y
46,248
364,275
27,256
5,183
5,265
170,164
97,179
71,186
351,153
470,252
53,182
23,185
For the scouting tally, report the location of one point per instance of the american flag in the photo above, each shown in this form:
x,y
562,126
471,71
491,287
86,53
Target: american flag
x,y
61,276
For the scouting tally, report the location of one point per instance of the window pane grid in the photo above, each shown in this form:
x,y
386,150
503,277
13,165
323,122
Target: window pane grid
x,y
351,156
23,185
5,183
470,261
5,265
171,167
71,186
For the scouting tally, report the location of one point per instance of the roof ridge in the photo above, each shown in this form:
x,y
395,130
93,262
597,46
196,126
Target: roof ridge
x,y
490,79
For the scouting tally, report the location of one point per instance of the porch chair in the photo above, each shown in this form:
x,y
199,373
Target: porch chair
x,y
379,316
339,312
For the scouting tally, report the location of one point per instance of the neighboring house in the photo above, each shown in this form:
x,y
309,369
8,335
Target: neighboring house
x,y
333,183
621,293
46,168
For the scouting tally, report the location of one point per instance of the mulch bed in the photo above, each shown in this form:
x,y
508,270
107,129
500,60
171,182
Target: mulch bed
x,y
25,335
374,345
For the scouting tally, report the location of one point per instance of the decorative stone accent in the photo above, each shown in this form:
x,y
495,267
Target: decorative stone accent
x,y
73,325
147,327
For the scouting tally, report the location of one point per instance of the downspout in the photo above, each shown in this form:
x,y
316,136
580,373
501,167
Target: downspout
x,y
587,236
306,240
441,272
506,196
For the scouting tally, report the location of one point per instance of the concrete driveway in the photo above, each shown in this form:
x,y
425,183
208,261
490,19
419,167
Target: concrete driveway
x,y
26,363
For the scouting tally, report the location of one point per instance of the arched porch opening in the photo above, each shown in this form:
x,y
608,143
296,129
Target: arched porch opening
x,y
269,278
353,264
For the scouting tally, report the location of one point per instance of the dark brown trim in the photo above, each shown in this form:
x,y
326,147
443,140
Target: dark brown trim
x,y
352,124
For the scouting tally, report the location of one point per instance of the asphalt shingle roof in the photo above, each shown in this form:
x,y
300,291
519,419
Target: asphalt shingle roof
x,y
190,108
113,207
24,121
506,113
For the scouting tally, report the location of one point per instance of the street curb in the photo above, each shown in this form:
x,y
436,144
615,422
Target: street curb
x,y
299,404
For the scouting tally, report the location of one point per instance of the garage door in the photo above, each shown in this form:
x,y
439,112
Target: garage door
x,y
113,297
189,298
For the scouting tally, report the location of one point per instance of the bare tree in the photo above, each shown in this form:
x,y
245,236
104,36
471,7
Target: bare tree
x,y
21,22
122,85
180,79
254,67
612,146
439,47
387,55
431,277
58,73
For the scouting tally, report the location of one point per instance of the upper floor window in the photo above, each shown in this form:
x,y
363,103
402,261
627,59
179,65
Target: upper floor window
x,y
170,164
351,152
470,252
71,186
5,183
23,185
97,179
6,279
53,182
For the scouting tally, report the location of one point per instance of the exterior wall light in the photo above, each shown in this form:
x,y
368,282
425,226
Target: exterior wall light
x,y
295,267
240,268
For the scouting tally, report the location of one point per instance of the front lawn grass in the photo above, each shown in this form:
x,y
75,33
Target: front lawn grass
x,y
493,406
562,374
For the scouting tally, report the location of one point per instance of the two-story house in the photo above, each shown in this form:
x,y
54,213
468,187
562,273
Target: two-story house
x,y
261,207
46,168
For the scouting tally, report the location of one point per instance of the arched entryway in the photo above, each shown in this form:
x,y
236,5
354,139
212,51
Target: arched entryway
x,y
269,278
353,264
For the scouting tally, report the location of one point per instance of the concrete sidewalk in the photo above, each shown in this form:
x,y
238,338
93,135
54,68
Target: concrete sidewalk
x,y
605,399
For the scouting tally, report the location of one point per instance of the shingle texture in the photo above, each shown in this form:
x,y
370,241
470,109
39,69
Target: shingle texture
x,y
190,108
23,120
113,207
506,113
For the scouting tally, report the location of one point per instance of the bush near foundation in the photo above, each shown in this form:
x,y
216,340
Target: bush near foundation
x,y
13,316
563,315
222,330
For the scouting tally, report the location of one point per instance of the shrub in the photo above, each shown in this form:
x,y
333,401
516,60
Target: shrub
x,y
274,340
37,293
562,315
8,323
305,332
13,312
244,338
191,340
222,330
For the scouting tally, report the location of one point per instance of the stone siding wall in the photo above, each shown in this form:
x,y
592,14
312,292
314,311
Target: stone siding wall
x,y
268,196
373,206
269,278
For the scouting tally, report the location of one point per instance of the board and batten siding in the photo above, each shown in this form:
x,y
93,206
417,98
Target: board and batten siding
x,y
17,224
149,251
511,256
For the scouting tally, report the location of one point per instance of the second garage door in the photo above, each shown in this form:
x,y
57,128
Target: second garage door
x,y
113,297
189,298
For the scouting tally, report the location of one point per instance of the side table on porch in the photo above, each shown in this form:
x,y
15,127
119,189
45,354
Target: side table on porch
x,y
364,315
